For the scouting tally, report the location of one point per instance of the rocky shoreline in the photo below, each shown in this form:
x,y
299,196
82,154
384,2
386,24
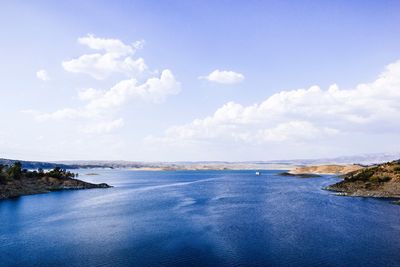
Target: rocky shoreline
x,y
29,186
300,175
379,181
362,189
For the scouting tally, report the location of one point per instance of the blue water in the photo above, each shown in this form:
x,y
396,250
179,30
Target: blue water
x,y
199,218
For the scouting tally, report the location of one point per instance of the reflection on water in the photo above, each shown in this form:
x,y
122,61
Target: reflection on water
x,y
199,218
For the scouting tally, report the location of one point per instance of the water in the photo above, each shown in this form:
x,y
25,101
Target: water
x,y
199,218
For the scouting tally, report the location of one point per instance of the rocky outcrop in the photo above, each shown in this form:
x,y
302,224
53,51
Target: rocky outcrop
x,y
29,186
381,180
300,175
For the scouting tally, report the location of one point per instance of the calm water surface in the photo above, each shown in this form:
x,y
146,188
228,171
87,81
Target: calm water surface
x,y
199,218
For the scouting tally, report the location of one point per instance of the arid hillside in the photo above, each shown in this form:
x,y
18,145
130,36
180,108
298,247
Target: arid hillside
x,y
326,169
382,180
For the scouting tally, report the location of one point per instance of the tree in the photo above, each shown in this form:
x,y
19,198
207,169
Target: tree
x,y
3,176
15,170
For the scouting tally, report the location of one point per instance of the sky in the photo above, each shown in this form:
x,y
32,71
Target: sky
x,y
198,80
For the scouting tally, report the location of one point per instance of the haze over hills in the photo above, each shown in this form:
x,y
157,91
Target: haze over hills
x,y
367,159
364,159
35,164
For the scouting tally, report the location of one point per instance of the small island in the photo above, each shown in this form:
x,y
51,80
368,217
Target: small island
x,y
16,181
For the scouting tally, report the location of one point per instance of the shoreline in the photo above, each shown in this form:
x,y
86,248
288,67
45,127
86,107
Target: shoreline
x,y
29,186
378,181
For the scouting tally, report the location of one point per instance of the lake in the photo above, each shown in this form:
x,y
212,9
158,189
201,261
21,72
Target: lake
x,y
199,218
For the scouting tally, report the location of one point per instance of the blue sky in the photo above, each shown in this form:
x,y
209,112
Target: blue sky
x,y
236,68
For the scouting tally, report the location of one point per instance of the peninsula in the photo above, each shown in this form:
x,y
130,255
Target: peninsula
x,y
382,180
326,169
15,181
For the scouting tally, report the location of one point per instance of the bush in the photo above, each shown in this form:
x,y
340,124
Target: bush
x,y
366,174
379,178
31,174
3,179
57,172
15,172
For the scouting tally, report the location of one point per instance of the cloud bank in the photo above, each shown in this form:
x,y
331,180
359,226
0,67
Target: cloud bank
x,y
300,116
115,57
97,113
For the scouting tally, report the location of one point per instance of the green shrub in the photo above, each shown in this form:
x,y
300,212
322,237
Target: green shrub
x,y
57,172
379,178
3,179
15,171
366,174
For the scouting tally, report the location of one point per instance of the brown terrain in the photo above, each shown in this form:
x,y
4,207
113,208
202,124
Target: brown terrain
x,y
29,186
326,169
381,180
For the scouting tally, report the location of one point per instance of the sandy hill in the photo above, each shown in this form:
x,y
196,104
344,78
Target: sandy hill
x,y
326,169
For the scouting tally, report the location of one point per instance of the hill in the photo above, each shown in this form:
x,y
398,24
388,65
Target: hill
x,y
15,181
382,180
36,164
326,169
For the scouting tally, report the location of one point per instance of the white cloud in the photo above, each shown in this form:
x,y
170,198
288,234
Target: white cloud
x,y
89,94
102,127
153,90
224,77
292,130
42,75
302,115
116,58
113,46
100,106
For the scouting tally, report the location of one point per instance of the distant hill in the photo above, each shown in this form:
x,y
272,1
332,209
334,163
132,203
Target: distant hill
x,y
366,159
326,169
36,164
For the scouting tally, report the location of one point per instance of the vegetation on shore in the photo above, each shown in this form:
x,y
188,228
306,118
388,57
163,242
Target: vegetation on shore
x,y
16,181
300,175
382,180
16,172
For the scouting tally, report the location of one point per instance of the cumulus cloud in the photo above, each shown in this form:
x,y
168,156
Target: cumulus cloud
x,y
113,57
153,90
301,115
292,130
113,46
100,106
42,75
89,94
224,77
101,103
102,127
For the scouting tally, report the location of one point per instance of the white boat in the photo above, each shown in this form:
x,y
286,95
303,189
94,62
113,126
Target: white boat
x,y
258,173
